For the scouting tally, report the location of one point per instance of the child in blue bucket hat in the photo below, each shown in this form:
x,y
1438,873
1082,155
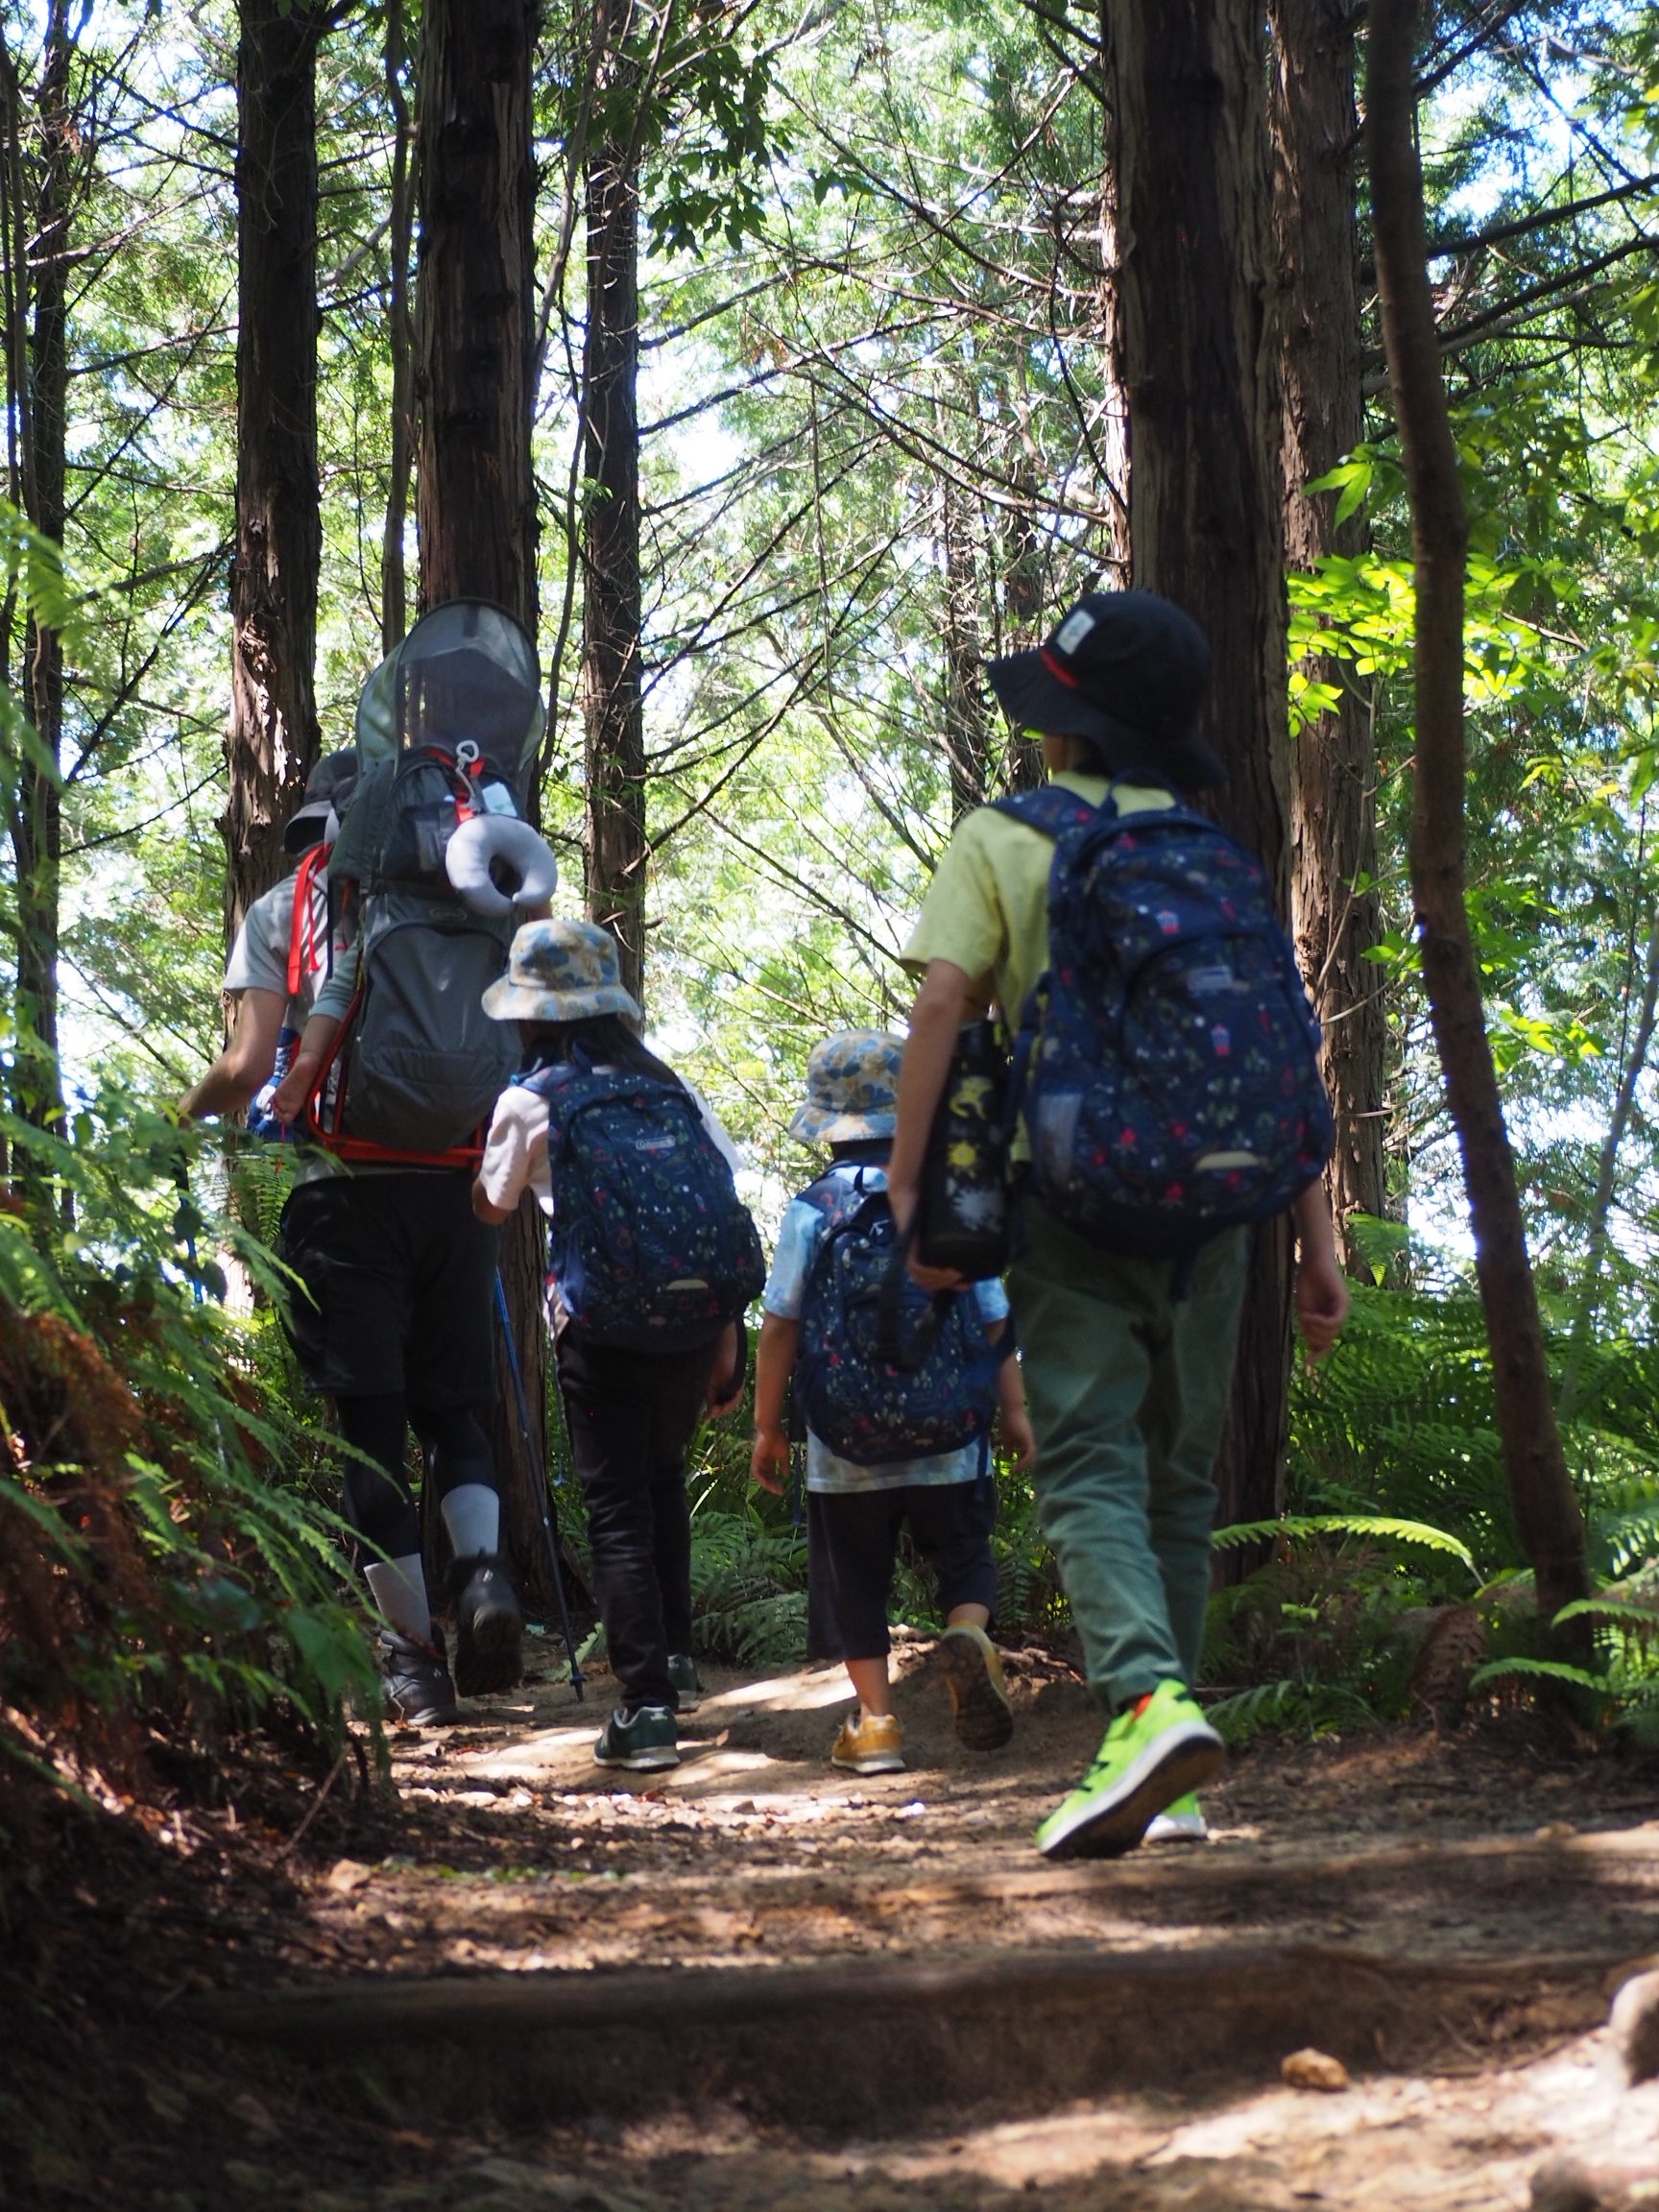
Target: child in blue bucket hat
x,y
631,1407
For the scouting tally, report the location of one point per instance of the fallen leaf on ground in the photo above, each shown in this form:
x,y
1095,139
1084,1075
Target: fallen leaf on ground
x,y
1314,2070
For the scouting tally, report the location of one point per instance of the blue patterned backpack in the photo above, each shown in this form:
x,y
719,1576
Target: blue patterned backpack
x,y
882,1371
652,1249
1167,1064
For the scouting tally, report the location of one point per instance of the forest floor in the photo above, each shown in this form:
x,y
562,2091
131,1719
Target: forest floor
x,y
754,1985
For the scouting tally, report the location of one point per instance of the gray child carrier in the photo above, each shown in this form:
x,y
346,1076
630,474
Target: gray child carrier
x,y
448,728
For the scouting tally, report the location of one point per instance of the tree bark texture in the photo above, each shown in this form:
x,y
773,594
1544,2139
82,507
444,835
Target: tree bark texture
x,y
1185,89
1315,135
45,187
1546,1512
274,738
611,606
475,511
966,733
399,342
475,502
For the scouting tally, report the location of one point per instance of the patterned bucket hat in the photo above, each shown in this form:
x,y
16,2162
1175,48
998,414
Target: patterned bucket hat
x,y
560,971
852,1088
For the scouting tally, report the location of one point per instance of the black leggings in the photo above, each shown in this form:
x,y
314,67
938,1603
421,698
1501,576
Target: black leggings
x,y
630,1417
378,1503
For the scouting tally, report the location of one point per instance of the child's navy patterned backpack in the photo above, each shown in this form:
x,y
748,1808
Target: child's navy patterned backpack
x,y
652,1249
882,1371
1167,1064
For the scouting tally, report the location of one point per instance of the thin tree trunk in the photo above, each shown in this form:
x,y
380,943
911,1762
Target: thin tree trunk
x,y
613,705
1185,90
274,738
475,511
966,733
1332,768
35,805
1546,1512
399,340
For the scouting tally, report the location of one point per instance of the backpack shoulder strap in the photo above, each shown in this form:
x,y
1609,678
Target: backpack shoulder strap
x,y
304,956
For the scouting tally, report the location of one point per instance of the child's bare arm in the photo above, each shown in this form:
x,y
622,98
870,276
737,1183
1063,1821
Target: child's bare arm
x,y
244,1063
934,1021
1014,1423
774,1362
1321,1288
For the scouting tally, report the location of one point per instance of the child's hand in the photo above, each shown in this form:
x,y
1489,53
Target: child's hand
x,y
1321,1302
769,1462
726,1376
1019,1438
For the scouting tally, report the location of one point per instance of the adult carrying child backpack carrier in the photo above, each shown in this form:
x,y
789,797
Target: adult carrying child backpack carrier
x,y
448,729
650,1249
1167,1064
882,1371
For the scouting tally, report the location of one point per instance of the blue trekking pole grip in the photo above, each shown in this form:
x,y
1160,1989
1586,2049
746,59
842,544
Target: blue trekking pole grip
x,y
578,1681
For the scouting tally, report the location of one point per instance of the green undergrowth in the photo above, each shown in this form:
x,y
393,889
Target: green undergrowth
x,y
169,1577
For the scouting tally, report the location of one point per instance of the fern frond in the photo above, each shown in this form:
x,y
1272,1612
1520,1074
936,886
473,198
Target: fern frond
x,y
1297,1526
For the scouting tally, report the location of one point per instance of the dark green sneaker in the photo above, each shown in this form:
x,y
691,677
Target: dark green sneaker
x,y
682,1673
641,1742
1152,1754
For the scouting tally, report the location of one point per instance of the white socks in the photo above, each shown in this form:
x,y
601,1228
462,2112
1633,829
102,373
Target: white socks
x,y
399,1589
472,1516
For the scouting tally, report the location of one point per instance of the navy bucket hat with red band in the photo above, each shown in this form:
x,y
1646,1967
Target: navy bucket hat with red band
x,y
1128,671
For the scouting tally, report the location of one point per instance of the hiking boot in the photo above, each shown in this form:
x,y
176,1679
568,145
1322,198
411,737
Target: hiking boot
x,y
1157,1749
873,1744
978,1695
682,1673
489,1627
415,1680
643,1741
1181,1822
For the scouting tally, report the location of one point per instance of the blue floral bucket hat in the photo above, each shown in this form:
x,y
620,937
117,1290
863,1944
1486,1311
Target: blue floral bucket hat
x,y
560,971
852,1088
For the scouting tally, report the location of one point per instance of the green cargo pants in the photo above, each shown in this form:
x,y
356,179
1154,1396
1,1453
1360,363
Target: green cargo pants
x,y
1127,1390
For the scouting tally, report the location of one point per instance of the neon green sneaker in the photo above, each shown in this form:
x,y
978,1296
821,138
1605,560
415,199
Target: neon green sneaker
x,y
1181,1822
1155,1751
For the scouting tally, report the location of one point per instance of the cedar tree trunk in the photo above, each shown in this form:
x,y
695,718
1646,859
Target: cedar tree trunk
x,y
1185,89
475,509
614,710
273,739
1315,136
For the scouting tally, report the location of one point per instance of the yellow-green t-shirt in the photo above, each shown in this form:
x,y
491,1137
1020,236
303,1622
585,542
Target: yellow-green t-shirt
x,y
987,908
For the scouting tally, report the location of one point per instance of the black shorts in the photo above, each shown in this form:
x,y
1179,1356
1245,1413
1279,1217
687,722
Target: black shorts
x,y
852,1541
397,1287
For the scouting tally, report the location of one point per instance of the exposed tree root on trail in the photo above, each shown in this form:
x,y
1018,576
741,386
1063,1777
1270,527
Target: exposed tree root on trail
x,y
756,1983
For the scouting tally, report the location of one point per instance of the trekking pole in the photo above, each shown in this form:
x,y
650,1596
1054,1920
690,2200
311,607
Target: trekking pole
x,y
578,1681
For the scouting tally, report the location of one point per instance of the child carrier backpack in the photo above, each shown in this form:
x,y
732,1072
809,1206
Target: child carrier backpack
x,y
1167,1064
882,1371
446,731
651,1250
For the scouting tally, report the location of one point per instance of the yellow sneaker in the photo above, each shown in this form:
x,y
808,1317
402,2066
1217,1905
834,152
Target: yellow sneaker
x,y
873,1746
979,1695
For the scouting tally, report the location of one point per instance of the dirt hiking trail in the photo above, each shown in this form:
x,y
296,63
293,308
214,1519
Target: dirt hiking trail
x,y
755,1982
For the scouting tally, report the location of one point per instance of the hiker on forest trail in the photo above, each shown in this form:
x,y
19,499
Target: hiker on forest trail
x,y
279,959
887,1446
1210,1112
653,1258
396,1072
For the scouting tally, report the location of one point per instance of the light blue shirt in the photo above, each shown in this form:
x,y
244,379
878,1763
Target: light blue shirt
x,y
786,1290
